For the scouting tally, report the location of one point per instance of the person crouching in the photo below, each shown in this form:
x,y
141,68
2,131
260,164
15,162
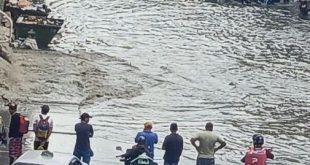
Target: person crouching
x,y
135,151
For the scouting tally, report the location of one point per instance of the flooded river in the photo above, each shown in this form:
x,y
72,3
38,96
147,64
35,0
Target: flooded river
x,y
246,69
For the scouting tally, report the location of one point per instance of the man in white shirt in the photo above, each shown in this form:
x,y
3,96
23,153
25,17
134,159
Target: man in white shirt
x,y
42,126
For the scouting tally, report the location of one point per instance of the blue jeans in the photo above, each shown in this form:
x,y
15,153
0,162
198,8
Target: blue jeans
x,y
205,161
84,156
168,163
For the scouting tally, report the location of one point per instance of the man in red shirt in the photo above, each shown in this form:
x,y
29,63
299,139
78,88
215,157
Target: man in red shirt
x,y
257,154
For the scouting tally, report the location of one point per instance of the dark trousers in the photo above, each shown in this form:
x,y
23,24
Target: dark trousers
x,y
170,163
37,144
83,155
205,161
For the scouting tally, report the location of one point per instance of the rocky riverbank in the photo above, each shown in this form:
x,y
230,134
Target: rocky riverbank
x,y
39,75
69,81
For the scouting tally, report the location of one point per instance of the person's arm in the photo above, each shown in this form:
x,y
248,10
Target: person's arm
x,y
133,153
222,144
269,154
35,124
75,128
164,144
243,159
91,133
156,139
137,136
193,141
128,154
181,147
51,123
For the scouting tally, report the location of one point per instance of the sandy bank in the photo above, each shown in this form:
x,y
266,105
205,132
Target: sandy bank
x,y
67,80
45,76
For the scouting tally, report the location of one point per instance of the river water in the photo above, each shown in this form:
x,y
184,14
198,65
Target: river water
x,y
246,69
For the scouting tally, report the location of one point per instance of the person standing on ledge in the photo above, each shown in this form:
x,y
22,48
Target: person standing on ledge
x,y
43,127
82,145
257,154
15,137
206,149
151,138
173,146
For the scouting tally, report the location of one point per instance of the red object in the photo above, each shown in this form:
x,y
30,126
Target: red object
x,y
255,156
23,124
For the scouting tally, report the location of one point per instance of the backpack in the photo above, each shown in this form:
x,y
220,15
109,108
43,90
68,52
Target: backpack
x,y
256,156
43,127
23,124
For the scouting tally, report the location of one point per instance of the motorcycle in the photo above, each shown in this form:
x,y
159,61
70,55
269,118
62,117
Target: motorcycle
x,y
142,159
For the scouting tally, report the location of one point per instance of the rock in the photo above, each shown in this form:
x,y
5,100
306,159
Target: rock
x,y
4,47
4,55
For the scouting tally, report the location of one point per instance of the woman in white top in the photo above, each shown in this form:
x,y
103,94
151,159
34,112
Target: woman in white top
x,y
42,126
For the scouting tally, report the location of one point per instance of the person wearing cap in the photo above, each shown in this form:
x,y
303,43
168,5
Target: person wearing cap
x,y
173,146
84,131
15,138
41,140
206,148
151,138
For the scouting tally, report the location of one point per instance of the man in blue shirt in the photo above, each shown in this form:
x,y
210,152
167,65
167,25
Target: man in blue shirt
x,y
173,146
82,145
151,137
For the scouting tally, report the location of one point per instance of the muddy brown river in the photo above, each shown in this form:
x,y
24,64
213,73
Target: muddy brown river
x,y
246,69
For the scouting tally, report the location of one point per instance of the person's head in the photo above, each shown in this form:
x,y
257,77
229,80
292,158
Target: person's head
x,y
45,109
31,33
85,117
258,140
209,126
141,140
173,127
148,125
12,107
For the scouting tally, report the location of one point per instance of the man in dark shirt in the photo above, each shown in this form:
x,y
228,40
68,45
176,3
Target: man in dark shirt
x,y
173,146
15,142
82,145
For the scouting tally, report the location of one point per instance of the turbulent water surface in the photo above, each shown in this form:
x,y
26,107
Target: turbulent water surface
x,y
246,69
